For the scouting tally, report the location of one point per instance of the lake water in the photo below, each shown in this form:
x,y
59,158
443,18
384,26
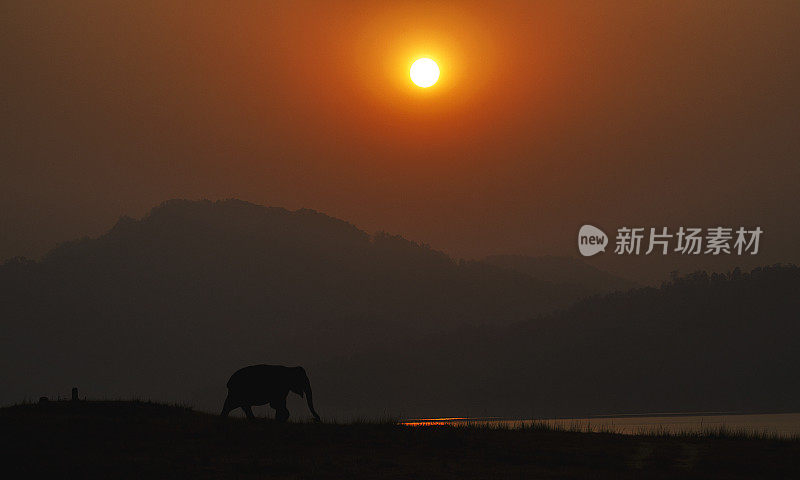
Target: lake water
x,y
781,424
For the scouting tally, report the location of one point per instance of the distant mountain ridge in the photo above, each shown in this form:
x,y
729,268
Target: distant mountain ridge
x,y
168,306
233,282
700,342
279,256
566,270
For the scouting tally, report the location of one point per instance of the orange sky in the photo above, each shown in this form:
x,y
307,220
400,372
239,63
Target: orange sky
x,y
546,116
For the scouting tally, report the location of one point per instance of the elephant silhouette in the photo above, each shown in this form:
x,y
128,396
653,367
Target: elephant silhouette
x,y
267,384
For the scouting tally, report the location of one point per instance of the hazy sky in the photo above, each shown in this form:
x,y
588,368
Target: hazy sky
x,y
546,116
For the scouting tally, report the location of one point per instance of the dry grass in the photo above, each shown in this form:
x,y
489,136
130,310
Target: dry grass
x,y
137,439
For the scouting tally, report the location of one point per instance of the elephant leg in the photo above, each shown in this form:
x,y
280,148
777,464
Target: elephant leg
x,y
281,412
226,409
282,415
249,412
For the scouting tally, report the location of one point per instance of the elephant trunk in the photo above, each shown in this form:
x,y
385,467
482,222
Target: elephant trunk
x,y
310,401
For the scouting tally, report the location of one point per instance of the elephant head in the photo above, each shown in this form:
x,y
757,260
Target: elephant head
x,y
300,385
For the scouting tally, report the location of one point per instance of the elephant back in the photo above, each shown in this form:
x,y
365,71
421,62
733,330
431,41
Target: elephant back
x,y
258,382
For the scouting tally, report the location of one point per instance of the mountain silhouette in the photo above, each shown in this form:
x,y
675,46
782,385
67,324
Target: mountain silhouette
x,y
166,307
699,343
274,263
565,270
230,283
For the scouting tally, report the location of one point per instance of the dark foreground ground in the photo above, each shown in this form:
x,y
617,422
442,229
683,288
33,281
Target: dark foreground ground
x,y
143,440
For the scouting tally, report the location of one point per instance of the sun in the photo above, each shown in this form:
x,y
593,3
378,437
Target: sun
x,y
424,72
